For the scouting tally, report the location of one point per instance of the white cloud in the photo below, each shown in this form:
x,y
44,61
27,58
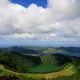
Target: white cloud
x,y
65,8
60,19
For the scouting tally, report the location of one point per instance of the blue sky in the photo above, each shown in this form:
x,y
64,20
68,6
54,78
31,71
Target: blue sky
x,y
26,3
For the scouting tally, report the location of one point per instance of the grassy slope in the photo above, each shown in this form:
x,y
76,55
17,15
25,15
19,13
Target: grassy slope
x,y
68,70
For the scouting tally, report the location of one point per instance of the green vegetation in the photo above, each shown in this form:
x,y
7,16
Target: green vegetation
x,y
48,68
67,71
40,67
48,59
75,76
14,62
43,68
29,63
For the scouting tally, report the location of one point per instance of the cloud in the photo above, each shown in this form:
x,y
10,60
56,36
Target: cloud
x,y
61,19
66,8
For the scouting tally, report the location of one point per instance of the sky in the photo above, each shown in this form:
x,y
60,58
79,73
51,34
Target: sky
x,y
40,23
26,3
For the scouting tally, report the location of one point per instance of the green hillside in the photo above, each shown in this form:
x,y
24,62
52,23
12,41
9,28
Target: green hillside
x,y
40,67
33,76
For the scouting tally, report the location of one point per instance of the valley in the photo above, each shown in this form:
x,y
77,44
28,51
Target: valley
x,y
37,63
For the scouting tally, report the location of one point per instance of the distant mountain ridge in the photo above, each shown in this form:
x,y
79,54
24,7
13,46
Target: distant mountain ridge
x,y
71,51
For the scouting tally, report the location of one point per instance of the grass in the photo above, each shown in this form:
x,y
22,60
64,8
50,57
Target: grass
x,y
67,71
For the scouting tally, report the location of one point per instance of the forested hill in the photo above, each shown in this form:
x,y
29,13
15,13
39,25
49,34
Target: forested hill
x,y
71,49
24,50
